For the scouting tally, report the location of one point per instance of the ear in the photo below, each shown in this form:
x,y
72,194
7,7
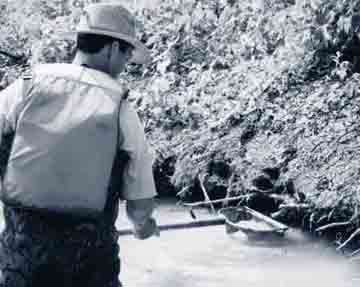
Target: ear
x,y
115,47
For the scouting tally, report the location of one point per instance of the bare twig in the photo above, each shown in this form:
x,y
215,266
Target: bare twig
x,y
356,252
295,206
10,55
353,218
331,213
337,140
317,145
183,190
206,196
321,218
228,191
352,236
332,225
200,203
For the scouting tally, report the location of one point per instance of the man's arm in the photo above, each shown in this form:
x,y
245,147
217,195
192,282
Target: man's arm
x,y
10,99
138,188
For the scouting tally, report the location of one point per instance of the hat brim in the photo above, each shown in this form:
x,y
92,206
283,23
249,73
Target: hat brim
x,y
140,55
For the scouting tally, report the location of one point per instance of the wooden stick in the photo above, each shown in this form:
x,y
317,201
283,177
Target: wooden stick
x,y
228,191
332,225
356,252
9,55
181,225
352,236
200,203
206,196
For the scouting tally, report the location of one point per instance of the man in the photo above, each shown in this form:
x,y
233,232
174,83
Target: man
x,y
74,136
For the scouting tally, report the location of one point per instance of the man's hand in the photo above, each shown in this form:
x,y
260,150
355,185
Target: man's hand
x,y
139,212
146,230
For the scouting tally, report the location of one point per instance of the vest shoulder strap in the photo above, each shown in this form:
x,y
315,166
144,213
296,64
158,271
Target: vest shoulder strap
x,y
27,82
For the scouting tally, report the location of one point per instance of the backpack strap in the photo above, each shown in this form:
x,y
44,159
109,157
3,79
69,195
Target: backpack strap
x,y
124,97
27,81
120,161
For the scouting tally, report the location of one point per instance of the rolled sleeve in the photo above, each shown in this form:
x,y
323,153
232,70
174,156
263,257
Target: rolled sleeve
x,y
138,180
10,99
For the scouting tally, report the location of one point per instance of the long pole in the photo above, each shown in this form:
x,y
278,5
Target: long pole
x,y
180,225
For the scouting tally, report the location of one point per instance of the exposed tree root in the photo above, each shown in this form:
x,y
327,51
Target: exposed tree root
x,y
352,236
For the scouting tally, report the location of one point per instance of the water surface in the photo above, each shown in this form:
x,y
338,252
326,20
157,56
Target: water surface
x,y
207,257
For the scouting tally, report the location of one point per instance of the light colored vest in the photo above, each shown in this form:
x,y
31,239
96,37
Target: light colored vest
x,y
65,141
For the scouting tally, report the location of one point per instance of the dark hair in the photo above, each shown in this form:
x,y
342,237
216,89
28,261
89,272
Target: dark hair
x,y
93,43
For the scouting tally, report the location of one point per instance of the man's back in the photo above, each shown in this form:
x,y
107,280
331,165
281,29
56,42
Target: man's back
x,y
65,142
38,239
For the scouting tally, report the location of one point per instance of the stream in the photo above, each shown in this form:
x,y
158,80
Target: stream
x,y
207,256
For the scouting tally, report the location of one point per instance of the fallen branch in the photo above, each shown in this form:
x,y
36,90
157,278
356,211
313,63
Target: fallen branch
x,y
228,191
332,225
356,252
200,203
206,196
352,236
183,190
12,56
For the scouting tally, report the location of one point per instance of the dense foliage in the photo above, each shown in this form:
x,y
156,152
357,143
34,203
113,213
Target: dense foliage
x,y
252,97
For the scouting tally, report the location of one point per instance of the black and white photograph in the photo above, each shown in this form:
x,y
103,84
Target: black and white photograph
x,y
180,143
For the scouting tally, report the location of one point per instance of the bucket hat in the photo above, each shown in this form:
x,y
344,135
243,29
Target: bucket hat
x,y
110,19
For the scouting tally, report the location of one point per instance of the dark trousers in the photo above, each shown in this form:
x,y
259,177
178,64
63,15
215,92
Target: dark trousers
x,y
42,251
